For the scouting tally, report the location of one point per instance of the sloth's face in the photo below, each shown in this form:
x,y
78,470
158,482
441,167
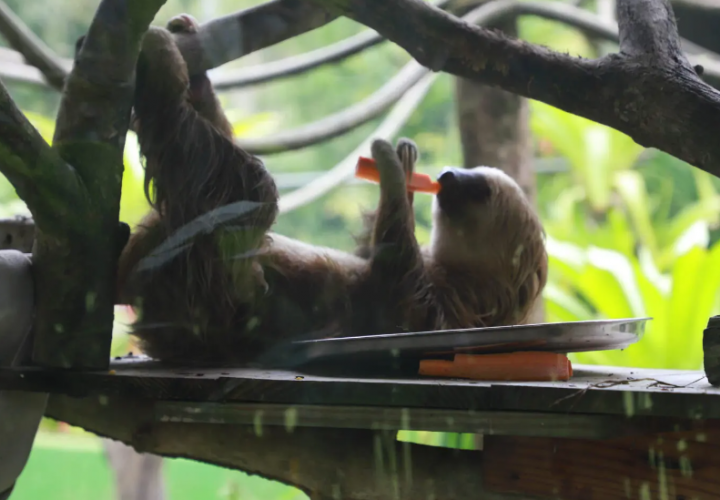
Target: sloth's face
x,y
482,214
480,195
464,190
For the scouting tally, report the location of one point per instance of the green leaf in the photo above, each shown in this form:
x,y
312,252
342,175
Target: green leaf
x,y
704,185
630,286
696,276
704,210
615,272
564,306
631,187
595,152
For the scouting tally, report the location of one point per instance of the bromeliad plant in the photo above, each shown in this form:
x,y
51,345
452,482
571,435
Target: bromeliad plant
x,y
616,251
595,282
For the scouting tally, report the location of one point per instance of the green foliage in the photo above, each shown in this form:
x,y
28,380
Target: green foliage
x,y
599,283
616,251
595,152
458,440
72,466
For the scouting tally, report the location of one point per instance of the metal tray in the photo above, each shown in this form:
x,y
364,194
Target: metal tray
x,y
576,336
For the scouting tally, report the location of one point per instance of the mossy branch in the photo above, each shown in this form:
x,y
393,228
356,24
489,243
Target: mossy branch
x,y
75,265
38,174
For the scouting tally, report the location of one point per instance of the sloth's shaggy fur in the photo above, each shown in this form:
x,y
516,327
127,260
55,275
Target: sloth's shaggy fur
x,y
212,285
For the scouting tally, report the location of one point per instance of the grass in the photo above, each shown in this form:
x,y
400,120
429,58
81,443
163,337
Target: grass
x,y
73,467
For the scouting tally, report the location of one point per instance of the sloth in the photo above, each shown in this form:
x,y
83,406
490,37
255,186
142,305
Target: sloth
x,y
212,285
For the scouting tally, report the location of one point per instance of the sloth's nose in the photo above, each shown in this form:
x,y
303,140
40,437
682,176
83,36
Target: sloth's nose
x,y
459,185
448,175
453,175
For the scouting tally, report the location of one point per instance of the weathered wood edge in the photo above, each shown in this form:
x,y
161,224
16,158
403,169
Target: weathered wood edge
x,y
595,394
501,423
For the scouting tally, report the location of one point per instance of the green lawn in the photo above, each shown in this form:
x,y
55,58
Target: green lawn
x,y
73,467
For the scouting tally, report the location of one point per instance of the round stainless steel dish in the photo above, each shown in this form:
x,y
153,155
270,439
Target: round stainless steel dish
x,y
576,336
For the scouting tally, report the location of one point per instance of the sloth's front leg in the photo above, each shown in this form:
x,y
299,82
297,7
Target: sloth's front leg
x,y
393,234
396,265
407,152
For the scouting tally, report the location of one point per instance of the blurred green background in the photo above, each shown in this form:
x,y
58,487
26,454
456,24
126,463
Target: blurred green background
x,y
631,232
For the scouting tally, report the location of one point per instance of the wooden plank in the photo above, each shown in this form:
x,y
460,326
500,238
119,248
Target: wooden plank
x,y
593,390
420,419
643,468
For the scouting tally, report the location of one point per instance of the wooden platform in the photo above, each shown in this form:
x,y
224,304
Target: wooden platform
x,y
608,433
587,406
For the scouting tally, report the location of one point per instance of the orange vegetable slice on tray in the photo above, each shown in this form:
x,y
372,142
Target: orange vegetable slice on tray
x,y
528,366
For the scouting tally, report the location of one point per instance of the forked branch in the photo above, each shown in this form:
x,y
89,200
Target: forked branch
x,y
233,36
648,29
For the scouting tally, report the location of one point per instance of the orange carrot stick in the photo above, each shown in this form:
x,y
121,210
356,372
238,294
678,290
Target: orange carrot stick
x,y
515,366
438,368
420,183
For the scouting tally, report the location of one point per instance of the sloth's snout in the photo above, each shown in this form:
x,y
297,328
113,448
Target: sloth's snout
x,y
448,175
459,186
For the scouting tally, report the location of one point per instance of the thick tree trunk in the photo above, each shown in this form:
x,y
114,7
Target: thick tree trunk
x,y
76,240
494,131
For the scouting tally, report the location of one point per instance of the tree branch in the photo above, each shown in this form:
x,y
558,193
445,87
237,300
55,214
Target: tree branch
x,y
75,268
649,101
341,122
217,42
583,20
40,177
357,464
647,29
35,52
233,36
23,73
358,114
295,65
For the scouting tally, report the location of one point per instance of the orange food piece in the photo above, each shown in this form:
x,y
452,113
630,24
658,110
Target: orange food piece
x,y
529,366
419,183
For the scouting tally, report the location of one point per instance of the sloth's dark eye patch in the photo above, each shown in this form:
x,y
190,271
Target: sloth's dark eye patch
x,y
477,188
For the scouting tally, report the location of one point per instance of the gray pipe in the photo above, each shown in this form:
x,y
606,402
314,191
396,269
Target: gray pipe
x,y
20,412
